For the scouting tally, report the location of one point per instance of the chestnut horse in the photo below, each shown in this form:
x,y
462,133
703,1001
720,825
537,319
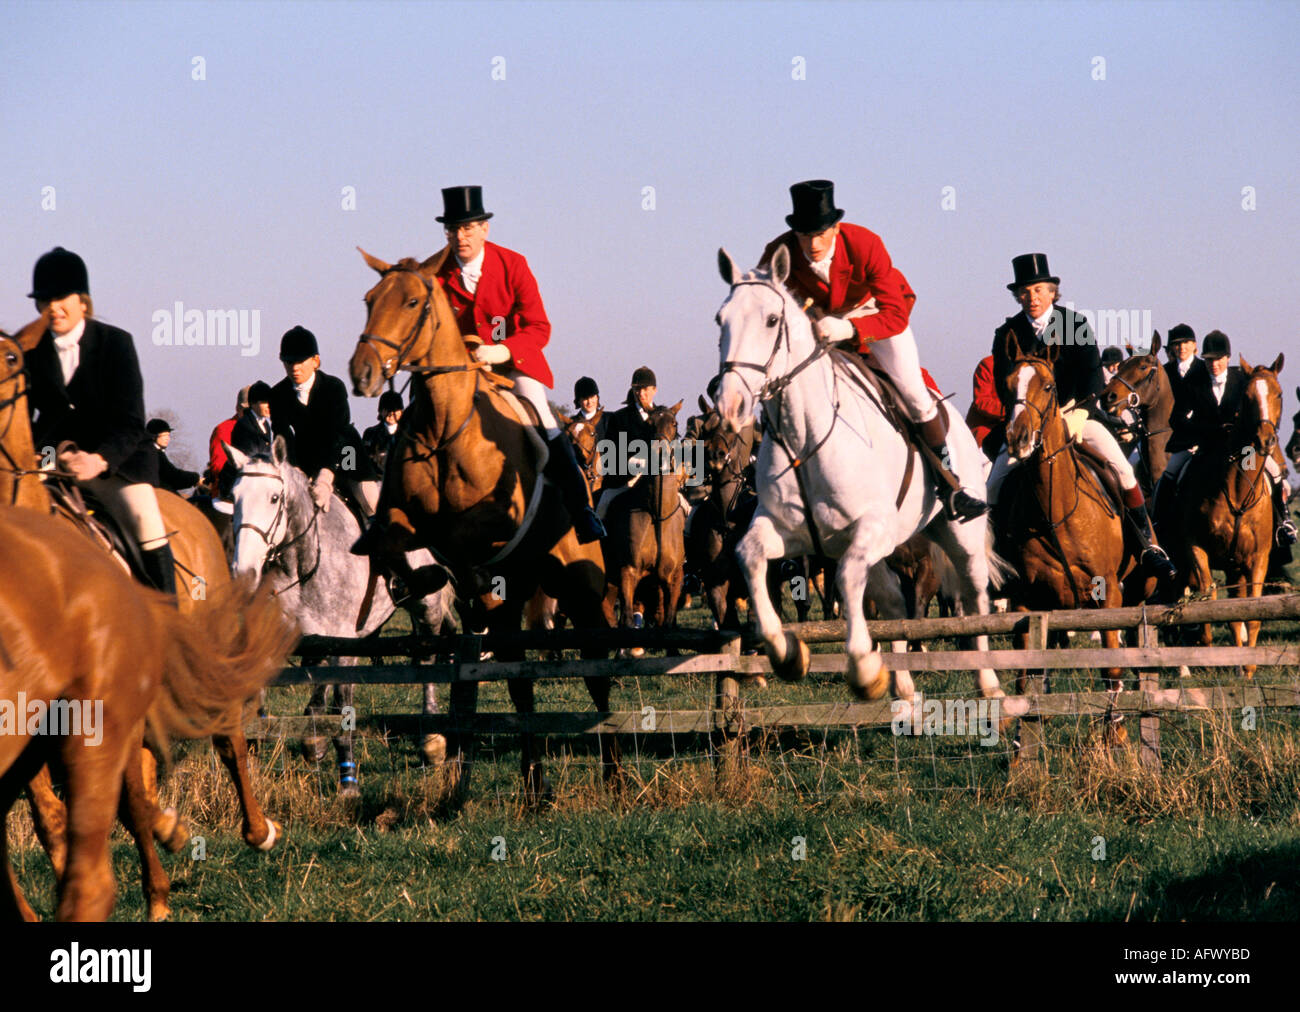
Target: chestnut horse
x,y
582,434
122,658
201,560
464,480
1223,512
1066,537
646,539
1140,394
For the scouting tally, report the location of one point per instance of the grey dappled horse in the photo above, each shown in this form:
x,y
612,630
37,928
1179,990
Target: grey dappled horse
x,y
305,555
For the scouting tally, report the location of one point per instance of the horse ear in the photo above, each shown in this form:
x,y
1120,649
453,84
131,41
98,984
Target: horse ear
x,y
1053,352
237,457
1246,367
30,336
1010,345
727,267
434,264
1155,342
1277,364
564,419
676,407
781,264
279,452
375,263
704,407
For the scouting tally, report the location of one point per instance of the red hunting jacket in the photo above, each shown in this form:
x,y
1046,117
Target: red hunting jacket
x,y
986,411
860,269
506,289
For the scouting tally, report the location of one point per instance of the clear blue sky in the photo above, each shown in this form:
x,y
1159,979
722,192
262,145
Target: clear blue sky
x,y
226,193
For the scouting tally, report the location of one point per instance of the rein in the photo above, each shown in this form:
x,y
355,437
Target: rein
x,y
275,552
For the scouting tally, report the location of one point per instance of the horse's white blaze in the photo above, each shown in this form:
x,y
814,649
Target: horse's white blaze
x,y
1261,390
1023,377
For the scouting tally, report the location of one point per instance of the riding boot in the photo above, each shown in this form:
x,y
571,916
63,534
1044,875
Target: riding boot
x,y
957,503
1284,529
160,568
1153,556
562,468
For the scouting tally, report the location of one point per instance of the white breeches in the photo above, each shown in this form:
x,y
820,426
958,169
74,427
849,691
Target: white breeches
x,y
897,356
535,394
135,507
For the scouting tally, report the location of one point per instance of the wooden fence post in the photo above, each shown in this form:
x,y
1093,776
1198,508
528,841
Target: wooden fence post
x,y
1149,723
1033,683
464,703
728,736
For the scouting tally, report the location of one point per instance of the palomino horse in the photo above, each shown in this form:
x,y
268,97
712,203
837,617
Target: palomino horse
x,y
303,554
1223,517
646,532
465,481
200,556
1140,394
123,659
1067,536
833,477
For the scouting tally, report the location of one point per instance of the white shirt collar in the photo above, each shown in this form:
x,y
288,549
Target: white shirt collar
x,y
472,271
1185,364
304,390
822,267
1040,324
391,427
588,415
68,347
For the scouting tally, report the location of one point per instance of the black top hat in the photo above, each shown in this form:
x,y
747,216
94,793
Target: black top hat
x,y
58,273
1216,345
585,387
643,377
1180,333
390,400
1111,356
157,425
814,206
298,344
259,393
1031,268
462,204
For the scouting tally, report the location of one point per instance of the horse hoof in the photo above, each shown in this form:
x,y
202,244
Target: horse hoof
x,y
755,682
273,833
171,831
350,789
159,911
795,666
314,749
872,681
434,749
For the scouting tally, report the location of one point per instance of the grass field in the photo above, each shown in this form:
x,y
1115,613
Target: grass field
x,y
822,825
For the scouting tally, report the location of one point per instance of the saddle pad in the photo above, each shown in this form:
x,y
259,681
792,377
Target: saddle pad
x,y
528,418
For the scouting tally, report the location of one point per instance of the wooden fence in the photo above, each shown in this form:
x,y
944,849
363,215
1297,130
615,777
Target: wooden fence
x,y
456,660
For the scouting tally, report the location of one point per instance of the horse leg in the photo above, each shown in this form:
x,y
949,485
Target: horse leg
x,y
536,787
1257,577
433,746
865,672
314,745
886,590
1204,581
460,743
50,819
965,546
349,786
258,831
139,815
787,654
88,889
25,769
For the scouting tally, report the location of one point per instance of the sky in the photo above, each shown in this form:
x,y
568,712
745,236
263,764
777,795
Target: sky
x,y
231,156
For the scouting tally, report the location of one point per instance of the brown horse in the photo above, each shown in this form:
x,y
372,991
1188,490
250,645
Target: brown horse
x,y
122,658
646,532
1064,534
465,482
582,434
201,560
1140,394
1223,515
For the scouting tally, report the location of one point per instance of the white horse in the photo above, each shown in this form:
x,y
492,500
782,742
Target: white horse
x,y
305,555
851,462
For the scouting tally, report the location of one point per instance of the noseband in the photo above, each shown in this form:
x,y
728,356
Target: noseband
x,y
275,552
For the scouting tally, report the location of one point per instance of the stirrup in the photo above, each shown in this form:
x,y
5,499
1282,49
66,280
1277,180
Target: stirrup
x,y
1285,536
1157,559
961,506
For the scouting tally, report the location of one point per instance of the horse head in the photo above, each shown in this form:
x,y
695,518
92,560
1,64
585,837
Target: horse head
x,y
764,334
582,434
1261,405
408,321
1139,382
1030,385
266,493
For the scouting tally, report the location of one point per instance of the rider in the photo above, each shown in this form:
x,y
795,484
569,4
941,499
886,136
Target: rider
x,y
310,409
1111,357
631,422
842,268
1212,399
253,434
985,414
223,432
380,436
494,295
586,398
170,477
1078,378
86,388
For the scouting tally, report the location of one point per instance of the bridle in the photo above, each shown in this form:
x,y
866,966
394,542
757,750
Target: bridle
x,y
275,551
1036,435
11,403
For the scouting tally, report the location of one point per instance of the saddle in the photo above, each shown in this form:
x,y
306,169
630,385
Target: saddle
x,y
532,423
97,523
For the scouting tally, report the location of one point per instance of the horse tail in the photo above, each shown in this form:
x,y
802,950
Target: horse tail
x,y
216,657
1000,569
